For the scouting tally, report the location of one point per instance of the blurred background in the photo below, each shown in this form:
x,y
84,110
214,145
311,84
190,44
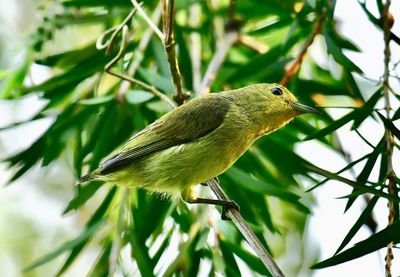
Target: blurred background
x,y
34,35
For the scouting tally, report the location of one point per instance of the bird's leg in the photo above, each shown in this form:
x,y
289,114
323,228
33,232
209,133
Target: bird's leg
x,y
189,197
215,178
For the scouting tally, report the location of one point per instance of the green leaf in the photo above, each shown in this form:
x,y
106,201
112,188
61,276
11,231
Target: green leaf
x,y
338,55
389,125
166,242
252,261
13,82
362,188
348,166
369,245
98,216
138,96
360,221
231,267
273,26
95,3
101,267
67,246
83,194
366,172
396,115
96,100
252,184
255,65
161,58
367,109
140,253
202,239
333,126
161,82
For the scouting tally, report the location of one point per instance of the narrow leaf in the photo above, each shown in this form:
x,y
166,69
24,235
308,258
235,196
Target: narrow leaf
x,y
252,261
389,125
67,246
97,216
369,245
82,195
366,171
138,96
96,100
360,221
365,189
333,126
338,55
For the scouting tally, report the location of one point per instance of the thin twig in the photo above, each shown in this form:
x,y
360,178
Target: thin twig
x,y
169,44
108,45
247,233
148,87
391,177
121,52
230,38
139,54
300,58
148,20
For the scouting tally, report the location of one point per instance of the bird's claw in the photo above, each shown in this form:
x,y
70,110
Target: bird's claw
x,y
229,204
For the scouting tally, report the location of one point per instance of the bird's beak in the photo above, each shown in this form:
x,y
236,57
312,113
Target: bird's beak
x,y
304,109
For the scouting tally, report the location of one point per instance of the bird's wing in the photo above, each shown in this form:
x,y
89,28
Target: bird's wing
x,y
186,123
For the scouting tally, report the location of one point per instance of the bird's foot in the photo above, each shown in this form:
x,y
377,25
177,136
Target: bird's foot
x,y
228,204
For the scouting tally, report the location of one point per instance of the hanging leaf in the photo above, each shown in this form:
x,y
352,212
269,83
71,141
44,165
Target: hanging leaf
x,y
369,245
358,224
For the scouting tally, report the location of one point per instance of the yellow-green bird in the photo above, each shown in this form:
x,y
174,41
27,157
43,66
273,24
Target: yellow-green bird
x,y
199,140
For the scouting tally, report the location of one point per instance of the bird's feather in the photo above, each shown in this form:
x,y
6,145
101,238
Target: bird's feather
x,y
187,123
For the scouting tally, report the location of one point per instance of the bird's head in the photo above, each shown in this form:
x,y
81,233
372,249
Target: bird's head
x,y
272,105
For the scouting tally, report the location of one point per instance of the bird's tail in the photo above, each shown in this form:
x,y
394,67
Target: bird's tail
x,y
88,177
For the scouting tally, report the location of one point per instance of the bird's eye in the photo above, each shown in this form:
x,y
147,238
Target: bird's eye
x,y
276,91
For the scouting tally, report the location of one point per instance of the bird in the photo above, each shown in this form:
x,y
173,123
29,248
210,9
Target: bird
x,y
198,141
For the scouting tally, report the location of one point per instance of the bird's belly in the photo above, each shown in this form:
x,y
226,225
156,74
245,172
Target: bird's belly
x,y
194,163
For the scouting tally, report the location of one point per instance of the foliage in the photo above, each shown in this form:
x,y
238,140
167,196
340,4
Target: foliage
x,y
95,113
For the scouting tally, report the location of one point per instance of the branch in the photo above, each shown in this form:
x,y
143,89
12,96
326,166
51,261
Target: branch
x,y
391,177
139,53
169,44
300,58
247,233
121,52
